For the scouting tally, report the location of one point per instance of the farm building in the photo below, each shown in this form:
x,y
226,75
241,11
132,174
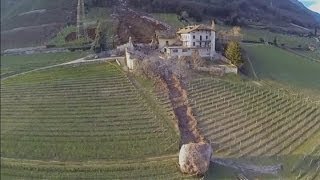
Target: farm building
x,y
166,38
197,37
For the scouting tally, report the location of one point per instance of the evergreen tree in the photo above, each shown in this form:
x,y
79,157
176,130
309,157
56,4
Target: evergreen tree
x,y
275,41
233,53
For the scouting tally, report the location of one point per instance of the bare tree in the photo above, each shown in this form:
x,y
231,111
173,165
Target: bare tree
x,y
197,59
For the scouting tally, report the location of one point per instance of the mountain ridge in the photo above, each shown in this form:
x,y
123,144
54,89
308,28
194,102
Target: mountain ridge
x,y
238,11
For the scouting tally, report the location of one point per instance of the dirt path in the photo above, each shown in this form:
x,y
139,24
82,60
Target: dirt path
x,y
186,121
248,168
252,69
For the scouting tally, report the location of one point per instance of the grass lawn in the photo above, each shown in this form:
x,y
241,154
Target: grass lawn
x,y
171,19
15,64
291,41
272,63
312,54
83,121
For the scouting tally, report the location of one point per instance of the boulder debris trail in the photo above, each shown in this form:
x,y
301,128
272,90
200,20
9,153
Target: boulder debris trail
x,y
186,121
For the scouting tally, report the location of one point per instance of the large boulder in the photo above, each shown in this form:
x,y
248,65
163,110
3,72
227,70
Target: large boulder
x,y
194,158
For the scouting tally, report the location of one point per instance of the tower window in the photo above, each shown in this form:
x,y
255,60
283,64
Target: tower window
x,y
194,37
194,43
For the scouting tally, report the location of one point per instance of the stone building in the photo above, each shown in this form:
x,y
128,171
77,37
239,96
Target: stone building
x,y
188,39
166,38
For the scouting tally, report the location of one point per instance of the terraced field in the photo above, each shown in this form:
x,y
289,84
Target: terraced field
x,y
249,122
15,64
83,121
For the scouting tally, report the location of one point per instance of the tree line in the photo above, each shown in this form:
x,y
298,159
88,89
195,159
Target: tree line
x,y
196,10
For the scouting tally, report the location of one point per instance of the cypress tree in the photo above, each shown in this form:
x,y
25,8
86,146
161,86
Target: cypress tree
x,y
233,53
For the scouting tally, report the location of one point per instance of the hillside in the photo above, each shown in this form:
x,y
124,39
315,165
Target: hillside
x,y
32,23
268,13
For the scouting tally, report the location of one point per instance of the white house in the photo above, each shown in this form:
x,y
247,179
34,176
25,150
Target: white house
x,y
196,37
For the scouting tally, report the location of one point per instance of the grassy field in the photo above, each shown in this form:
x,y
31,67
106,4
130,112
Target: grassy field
x,y
84,121
314,55
93,16
291,41
8,11
59,39
171,19
272,63
255,124
15,64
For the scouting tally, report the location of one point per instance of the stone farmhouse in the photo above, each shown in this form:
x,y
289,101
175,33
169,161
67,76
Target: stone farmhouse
x,y
183,43
188,39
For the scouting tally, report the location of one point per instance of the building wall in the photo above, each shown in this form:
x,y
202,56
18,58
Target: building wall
x,y
178,52
130,61
193,39
163,42
213,44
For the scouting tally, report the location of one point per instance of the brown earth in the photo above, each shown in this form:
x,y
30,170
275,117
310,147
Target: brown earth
x,y
132,24
187,123
73,35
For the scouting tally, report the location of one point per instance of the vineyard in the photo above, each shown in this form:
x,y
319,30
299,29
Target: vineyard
x,y
84,121
247,122
15,64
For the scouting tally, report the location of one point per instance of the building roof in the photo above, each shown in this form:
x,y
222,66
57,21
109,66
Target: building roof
x,y
189,29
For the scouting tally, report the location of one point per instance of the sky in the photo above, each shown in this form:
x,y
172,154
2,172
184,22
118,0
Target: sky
x,y
314,5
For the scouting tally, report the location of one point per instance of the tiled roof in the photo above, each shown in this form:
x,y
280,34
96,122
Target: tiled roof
x,y
189,29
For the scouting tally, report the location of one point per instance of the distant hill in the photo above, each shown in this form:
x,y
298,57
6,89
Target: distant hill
x,y
242,12
35,22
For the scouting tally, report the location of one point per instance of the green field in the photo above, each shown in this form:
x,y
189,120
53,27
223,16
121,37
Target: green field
x,y
311,54
170,19
93,16
15,64
8,11
291,41
59,39
272,63
258,125
84,121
